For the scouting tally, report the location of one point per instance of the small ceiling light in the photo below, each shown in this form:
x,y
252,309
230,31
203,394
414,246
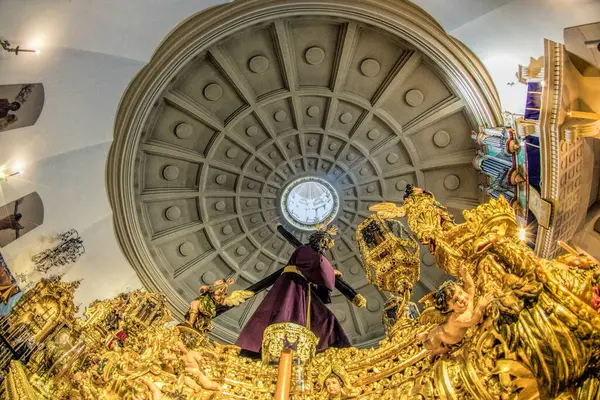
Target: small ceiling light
x,y
6,46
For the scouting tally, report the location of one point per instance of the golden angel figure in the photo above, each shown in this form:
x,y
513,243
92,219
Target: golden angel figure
x,y
204,308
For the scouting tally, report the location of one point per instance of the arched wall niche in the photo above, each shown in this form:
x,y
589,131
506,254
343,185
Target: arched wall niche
x,y
190,212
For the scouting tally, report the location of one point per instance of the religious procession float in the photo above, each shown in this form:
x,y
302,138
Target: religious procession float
x,y
511,326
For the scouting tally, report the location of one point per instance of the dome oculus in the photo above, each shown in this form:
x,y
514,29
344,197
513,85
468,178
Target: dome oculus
x,y
309,201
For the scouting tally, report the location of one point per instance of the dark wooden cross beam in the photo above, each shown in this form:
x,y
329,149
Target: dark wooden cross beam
x,y
264,283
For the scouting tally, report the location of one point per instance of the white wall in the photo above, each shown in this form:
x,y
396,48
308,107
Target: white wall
x,y
91,50
65,155
509,35
123,28
587,237
452,14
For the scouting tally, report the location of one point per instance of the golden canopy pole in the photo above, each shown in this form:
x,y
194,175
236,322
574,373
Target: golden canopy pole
x,y
282,390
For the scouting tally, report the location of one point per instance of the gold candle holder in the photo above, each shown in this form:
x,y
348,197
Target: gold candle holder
x,y
286,334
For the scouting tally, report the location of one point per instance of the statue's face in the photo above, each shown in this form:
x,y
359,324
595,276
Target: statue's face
x,y
459,301
63,338
332,385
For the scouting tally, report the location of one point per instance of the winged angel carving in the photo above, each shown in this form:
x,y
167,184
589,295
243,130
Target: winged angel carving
x,y
204,308
452,310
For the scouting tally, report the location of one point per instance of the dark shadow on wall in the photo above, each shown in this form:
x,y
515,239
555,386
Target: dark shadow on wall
x,y
20,217
20,105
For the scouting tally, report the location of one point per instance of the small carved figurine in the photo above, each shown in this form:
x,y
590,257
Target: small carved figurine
x,y
335,389
192,361
335,382
204,308
454,312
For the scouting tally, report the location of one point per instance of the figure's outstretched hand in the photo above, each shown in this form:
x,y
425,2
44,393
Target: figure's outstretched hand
x,y
337,272
485,300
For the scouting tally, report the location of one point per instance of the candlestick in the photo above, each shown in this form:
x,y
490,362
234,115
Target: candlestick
x,y
5,44
4,176
584,115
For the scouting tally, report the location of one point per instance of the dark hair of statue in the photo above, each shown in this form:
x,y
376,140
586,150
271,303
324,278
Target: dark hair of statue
x,y
315,240
443,295
409,189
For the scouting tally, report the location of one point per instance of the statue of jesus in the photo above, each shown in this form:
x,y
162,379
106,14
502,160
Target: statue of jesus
x,y
292,300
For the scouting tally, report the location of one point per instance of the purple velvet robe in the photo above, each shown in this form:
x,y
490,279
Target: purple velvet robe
x,y
286,302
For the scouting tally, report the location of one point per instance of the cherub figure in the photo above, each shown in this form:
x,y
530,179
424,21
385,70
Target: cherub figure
x,y
96,372
454,311
335,382
8,120
335,389
198,380
204,308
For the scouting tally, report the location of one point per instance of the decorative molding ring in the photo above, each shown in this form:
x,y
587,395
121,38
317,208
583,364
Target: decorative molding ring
x,y
196,34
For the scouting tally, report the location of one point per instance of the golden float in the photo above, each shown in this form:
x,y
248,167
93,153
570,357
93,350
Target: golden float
x,y
539,338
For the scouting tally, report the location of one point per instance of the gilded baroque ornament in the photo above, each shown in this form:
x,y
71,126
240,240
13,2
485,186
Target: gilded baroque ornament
x,y
281,335
204,308
538,338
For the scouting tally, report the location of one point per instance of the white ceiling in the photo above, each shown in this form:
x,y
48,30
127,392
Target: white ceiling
x,y
92,49
128,29
511,34
452,14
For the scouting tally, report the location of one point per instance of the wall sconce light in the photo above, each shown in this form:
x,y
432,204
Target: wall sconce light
x,y
4,176
6,47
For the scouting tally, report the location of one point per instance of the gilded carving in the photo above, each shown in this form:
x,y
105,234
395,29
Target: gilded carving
x,y
538,336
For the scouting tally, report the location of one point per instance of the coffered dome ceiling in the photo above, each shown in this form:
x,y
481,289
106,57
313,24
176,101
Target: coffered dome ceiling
x,y
243,99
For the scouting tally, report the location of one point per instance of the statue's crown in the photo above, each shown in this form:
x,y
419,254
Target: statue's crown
x,y
326,228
